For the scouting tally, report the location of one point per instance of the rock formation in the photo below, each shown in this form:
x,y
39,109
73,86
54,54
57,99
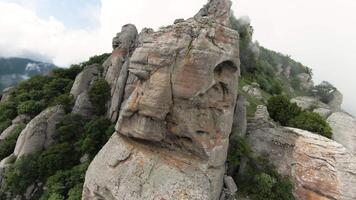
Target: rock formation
x,y
39,132
21,119
306,81
320,168
253,90
344,129
6,94
176,116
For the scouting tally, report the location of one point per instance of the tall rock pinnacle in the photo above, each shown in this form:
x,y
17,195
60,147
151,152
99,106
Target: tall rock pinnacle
x,y
178,91
220,10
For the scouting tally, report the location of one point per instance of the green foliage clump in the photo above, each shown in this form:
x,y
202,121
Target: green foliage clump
x,y
257,178
7,113
281,110
66,183
260,181
99,94
289,114
66,100
30,107
70,73
324,92
98,59
21,174
7,145
95,135
313,122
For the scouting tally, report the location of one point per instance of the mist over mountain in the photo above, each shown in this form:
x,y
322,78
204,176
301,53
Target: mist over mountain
x,y
14,70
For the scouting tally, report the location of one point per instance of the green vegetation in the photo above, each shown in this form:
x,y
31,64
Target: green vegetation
x,y
99,94
7,145
324,92
289,114
59,165
257,179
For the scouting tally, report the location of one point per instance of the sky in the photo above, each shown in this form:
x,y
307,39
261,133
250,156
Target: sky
x,y
321,34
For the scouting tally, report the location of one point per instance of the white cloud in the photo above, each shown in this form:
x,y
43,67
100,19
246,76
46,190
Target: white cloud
x,y
319,33
22,32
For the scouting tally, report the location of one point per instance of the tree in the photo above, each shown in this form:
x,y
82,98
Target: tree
x,y
281,110
99,94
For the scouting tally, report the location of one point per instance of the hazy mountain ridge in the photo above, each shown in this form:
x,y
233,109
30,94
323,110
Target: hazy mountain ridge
x,y
15,69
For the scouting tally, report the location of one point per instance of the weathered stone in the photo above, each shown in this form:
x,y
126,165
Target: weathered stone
x,y
336,100
7,132
309,103
230,185
83,106
324,112
116,67
253,90
6,94
218,10
83,80
306,81
177,21
344,129
39,132
320,168
239,125
21,119
173,129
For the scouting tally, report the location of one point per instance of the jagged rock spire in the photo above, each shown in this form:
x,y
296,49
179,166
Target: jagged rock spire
x,y
220,10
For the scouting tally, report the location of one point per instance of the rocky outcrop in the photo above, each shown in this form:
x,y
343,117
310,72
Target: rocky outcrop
x,y
320,168
83,106
39,132
116,67
344,129
21,119
83,80
239,125
5,95
306,81
336,100
253,90
173,130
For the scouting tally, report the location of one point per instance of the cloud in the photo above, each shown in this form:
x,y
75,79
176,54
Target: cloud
x,y
23,33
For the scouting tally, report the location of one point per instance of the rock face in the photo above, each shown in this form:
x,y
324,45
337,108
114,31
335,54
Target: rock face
x,y
320,168
116,67
336,101
83,106
253,90
6,94
306,81
39,132
83,80
344,129
173,130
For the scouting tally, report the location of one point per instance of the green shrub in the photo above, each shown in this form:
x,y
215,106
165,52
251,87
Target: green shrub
x,y
56,87
8,111
324,92
71,128
7,145
76,192
57,157
70,73
66,100
99,94
238,148
30,107
21,174
281,110
312,122
4,125
94,136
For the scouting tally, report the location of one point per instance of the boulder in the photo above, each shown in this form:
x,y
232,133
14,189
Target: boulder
x,y
172,133
319,167
7,132
253,90
39,132
336,100
306,103
116,67
306,81
344,129
21,119
6,94
83,106
219,10
83,80
324,112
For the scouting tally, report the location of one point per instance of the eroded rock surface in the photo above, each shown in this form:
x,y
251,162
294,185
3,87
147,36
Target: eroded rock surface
x,y
173,130
39,132
344,129
83,80
320,168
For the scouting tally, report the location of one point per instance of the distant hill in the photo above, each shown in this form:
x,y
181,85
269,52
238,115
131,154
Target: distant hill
x,y
14,70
